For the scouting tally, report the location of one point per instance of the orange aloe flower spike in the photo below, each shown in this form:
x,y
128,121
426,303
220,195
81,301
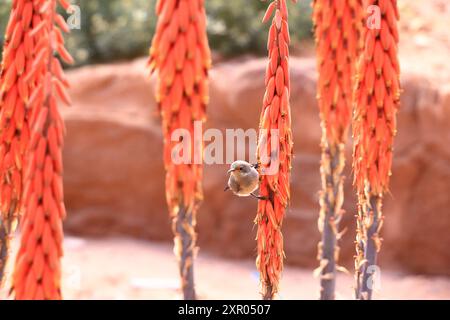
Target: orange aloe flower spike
x,y
15,110
180,54
376,102
37,272
275,146
338,28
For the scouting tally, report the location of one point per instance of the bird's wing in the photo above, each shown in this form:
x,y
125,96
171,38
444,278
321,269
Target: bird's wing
x,y
234,185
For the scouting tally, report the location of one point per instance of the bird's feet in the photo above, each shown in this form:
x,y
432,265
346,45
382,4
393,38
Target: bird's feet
x,y
258,197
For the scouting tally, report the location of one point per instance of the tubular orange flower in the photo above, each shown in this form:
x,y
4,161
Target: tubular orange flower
x,y
275,115
37,273
338,27
376,102
14,128
181,55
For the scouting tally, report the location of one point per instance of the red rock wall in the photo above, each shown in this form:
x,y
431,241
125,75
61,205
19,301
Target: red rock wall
x,y
114,178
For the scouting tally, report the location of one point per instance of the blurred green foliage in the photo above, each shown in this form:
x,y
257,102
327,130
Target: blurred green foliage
x,y
4,12
122,29
234,26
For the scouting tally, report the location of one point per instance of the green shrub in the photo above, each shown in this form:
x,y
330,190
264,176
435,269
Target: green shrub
x,y
122,29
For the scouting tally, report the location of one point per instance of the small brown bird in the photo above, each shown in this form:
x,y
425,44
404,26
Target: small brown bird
x,y
244,179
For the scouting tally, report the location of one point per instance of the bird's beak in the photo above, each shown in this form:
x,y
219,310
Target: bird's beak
x,y
231,170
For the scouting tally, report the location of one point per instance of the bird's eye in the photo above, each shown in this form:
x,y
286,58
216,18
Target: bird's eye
x,y
241,168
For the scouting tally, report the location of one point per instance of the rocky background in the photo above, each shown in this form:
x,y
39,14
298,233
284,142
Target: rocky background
x,y
114,177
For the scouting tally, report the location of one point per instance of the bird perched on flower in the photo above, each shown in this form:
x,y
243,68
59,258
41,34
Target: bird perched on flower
x,y
244,179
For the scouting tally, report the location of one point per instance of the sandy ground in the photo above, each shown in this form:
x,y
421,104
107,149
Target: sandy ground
x,y
131,269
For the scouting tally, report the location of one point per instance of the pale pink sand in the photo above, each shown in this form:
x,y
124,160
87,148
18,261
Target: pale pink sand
x,y
132,269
